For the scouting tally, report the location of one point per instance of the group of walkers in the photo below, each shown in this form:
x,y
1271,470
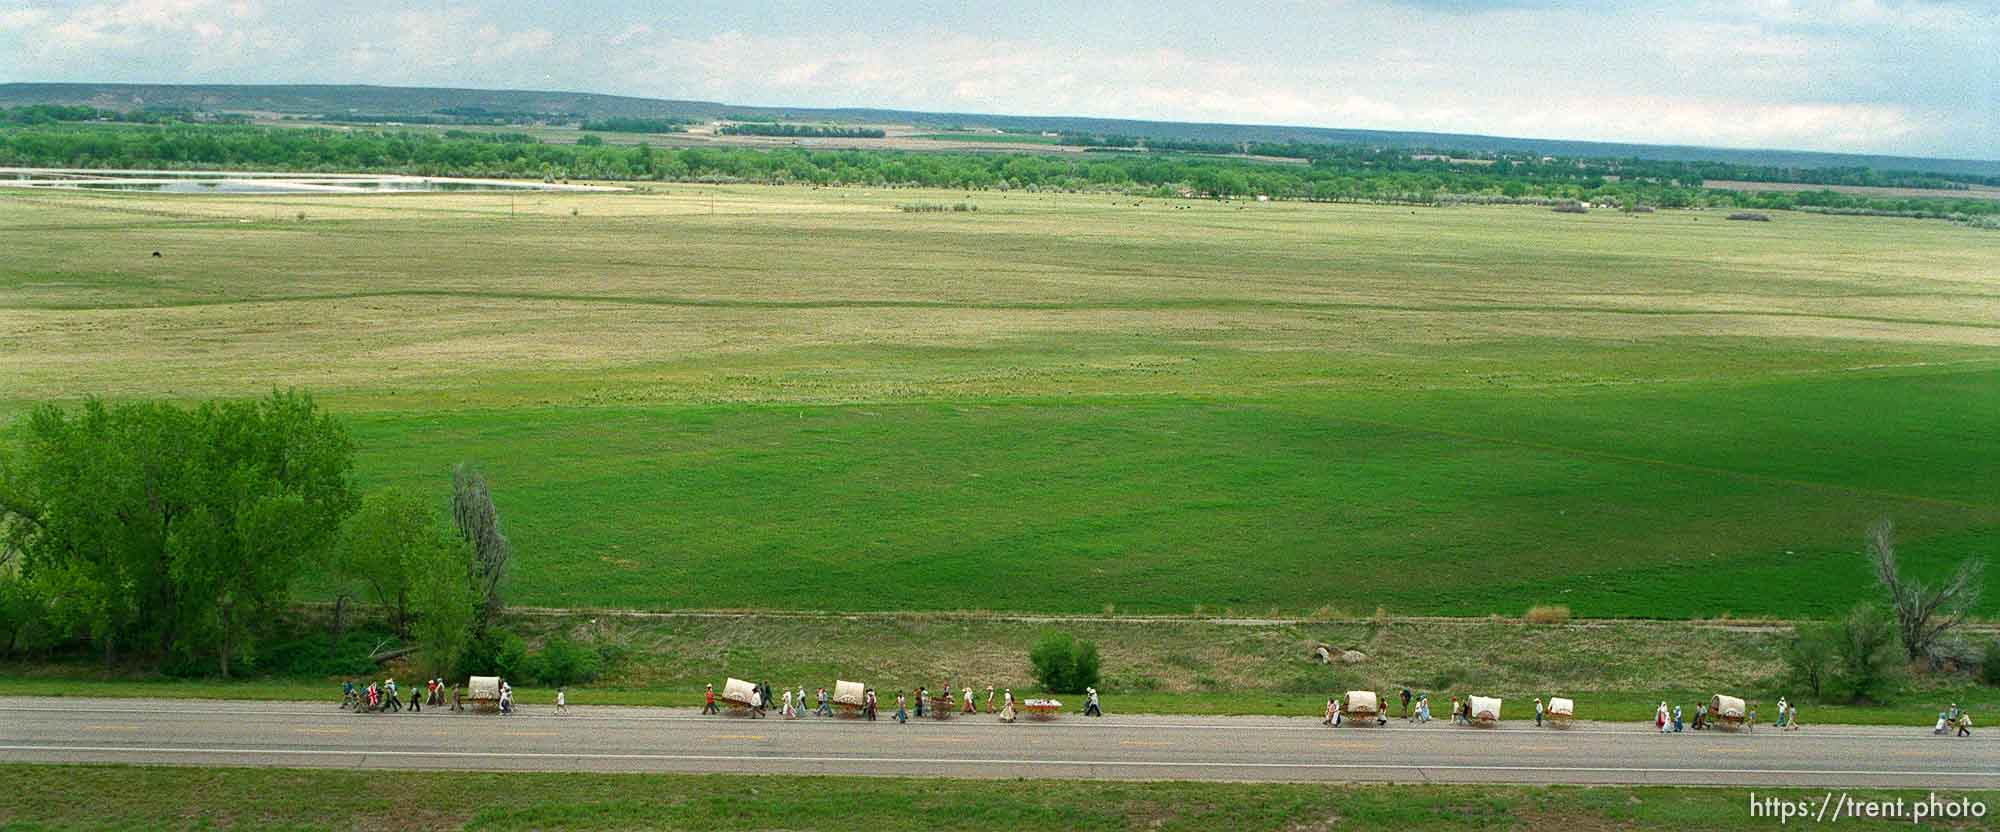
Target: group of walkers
x,y
793,704
1954,720
383,697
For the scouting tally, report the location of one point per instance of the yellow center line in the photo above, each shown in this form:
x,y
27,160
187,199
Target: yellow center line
x,y
325,731
737,737
528,733
110,727
944,739
1357,746
1146,743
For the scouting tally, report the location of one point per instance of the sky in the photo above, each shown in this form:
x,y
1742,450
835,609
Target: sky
x,y
1906,77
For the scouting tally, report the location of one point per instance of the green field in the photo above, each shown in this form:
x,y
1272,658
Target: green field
x,y
117,797
763,397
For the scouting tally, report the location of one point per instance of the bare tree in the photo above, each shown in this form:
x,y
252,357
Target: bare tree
x,y
472,509
1924,616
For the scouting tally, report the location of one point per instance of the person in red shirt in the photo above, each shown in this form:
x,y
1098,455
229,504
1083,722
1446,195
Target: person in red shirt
x,y
708,701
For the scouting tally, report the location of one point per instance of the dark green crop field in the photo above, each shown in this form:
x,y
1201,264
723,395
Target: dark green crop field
x,y
760,397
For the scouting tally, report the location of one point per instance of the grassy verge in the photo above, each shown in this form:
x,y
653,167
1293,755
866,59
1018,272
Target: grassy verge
x,y
112,797
1614,670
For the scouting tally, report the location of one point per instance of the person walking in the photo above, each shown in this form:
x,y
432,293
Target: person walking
x,y
1791,717
506,698
922,694
1965,724
802,700
1381,709
1454,710
1423,709
756,702
389,690
1538,712
1783,708
1007,708
1660,717
708,701
970,708
989,699
1677,719
347,698
1406,704
786,711
868,704
902,716
457,697
824,708
416,700
562,700
1332,713
1700,715
1091,706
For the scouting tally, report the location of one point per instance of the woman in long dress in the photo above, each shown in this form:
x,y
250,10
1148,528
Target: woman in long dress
x,y
1007,708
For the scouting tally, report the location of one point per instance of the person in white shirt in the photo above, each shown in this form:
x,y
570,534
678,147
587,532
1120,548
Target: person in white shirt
x,y
562,701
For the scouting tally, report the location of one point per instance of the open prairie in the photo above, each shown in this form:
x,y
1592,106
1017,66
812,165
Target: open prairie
x,y
763,397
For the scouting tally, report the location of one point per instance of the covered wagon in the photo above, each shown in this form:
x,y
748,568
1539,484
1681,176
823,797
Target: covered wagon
x,y
1485,710
483,693
1363,705
850,697
1728,710
741,695
1041,708
1560,712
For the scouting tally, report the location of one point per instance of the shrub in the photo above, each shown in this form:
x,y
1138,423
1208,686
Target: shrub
x,y
1571,208
1750,216
1989,663
1870,653
1811,656
562,662
1548,614
495,653
1061,664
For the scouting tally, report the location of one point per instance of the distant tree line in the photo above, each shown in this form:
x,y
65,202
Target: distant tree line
x,y
39,114
808,131
1338,174
619,124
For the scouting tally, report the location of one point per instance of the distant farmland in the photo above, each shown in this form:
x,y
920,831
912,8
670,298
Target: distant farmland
x,y
773,397
1973,192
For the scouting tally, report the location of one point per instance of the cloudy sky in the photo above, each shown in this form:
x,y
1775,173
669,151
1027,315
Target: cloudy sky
x,y
1914,77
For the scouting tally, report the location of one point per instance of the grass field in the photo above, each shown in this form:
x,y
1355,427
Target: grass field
x,y
761,397
112,797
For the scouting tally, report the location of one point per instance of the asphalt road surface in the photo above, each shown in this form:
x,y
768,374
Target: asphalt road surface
x,y
1114,747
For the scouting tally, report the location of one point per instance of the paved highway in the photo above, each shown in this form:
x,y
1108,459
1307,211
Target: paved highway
x,y
1115,747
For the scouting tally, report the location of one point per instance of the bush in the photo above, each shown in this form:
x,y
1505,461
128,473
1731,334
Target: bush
x,y
496,653
562,662
1811,656
1548,614
1989,663
1061,664
1870,653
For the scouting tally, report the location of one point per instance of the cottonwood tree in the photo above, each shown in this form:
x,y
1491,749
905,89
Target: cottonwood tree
x,y
386,546
479,525
1924,615
173,529
446,602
